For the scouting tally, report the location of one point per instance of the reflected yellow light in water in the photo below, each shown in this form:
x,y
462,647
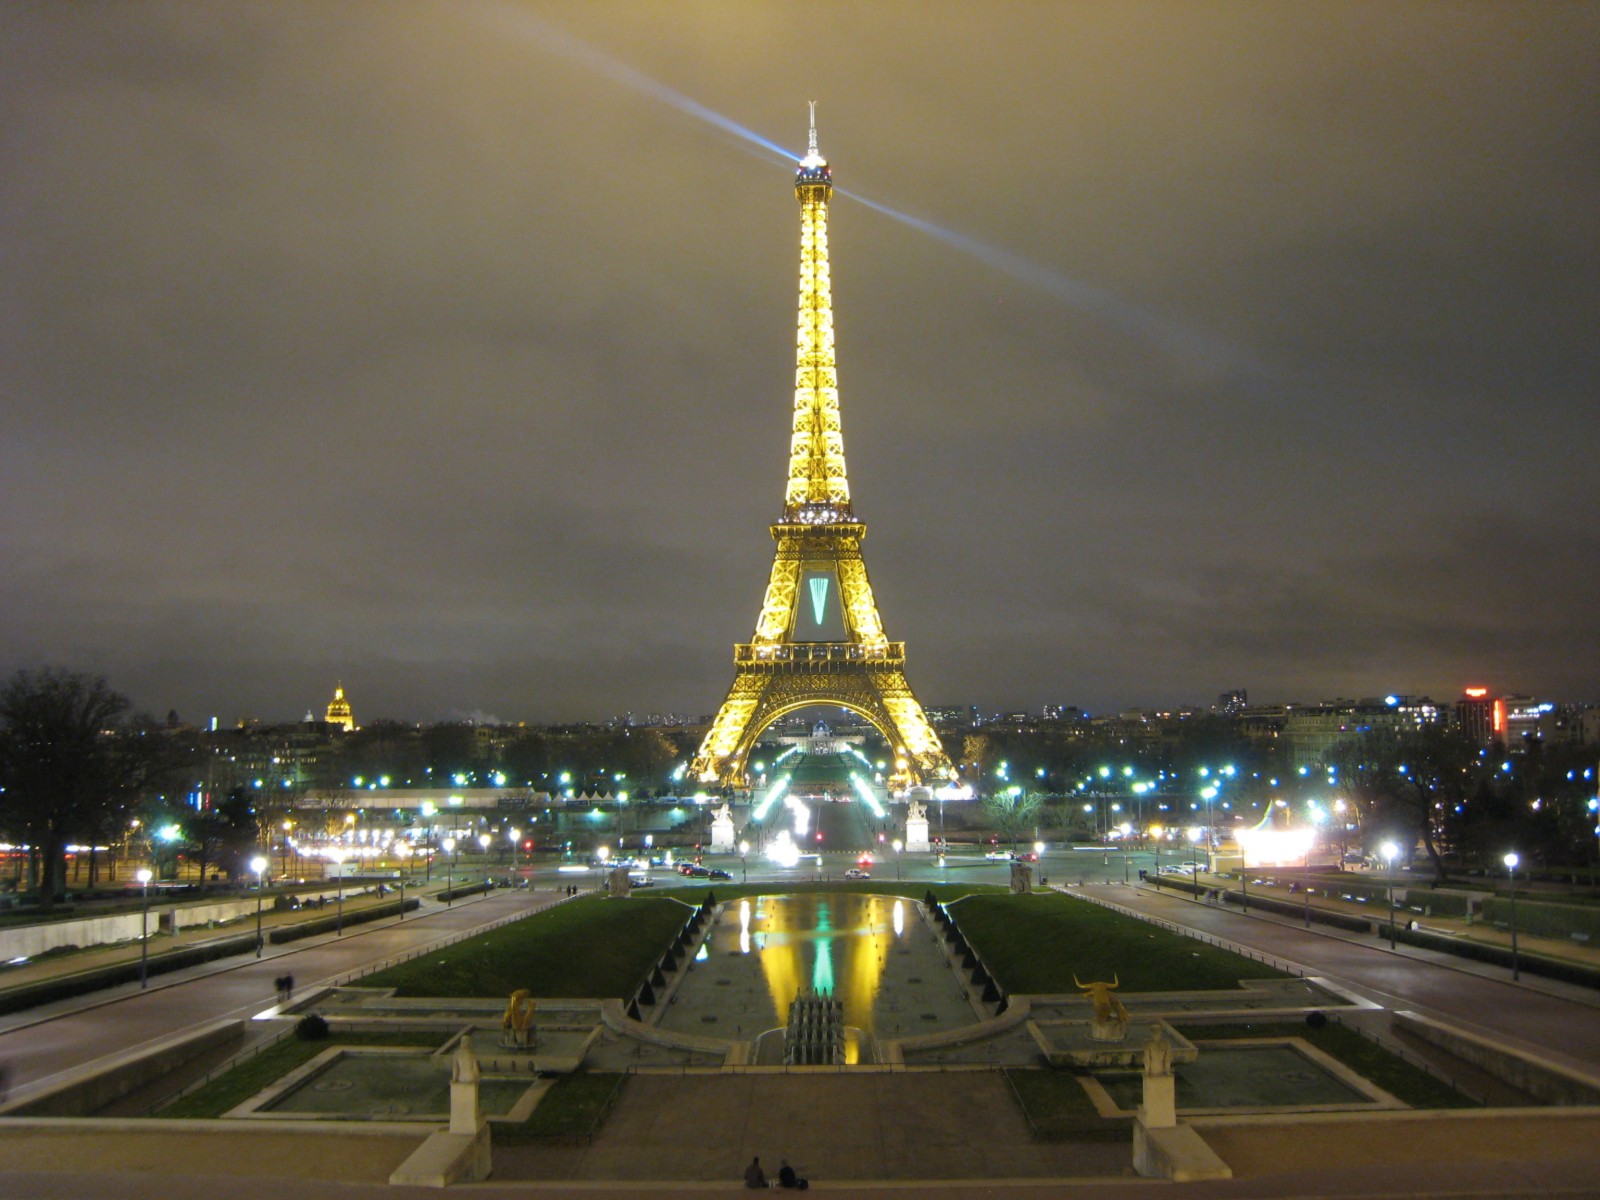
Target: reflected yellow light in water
x,y
801,941
744,927
899,917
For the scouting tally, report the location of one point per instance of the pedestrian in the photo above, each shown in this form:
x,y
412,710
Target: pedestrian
x,y
288,988
787,1177
754,1176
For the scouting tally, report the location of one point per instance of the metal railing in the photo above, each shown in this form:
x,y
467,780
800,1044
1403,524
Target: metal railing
x,y
815,652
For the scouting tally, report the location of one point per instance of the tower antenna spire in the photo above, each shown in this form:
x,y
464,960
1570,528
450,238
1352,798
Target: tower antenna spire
x,y
811,147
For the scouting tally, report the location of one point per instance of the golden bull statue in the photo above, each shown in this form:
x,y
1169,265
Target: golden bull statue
x,y
1107,1008
518,1019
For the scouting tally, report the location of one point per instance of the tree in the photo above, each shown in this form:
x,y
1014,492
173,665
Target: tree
x,y
1411,780
69,761
1013,811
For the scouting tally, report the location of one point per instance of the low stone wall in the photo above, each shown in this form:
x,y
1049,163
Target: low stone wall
x,y
337,1151
30,941
212,912
89,1093
1547,1081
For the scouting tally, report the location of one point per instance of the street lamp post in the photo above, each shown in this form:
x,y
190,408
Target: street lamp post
x,y
1390,851
483,842
258,865
402,851
144,876
744,871
897,844
337,858
515,835
1511,861
449,847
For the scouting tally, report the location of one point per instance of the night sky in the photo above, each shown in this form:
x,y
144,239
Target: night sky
x,y
447,349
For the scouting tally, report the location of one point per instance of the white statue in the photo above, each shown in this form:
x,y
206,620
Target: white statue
x,y
1157,1055
916,811
725,813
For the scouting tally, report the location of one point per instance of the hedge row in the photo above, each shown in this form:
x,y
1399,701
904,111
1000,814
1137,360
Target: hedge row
x,y
1540,918
1288,908
47,991
1285,908
1500,956
305,929
465,890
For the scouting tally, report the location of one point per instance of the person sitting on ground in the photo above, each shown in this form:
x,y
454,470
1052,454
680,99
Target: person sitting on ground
x,y
787,1178
754,1176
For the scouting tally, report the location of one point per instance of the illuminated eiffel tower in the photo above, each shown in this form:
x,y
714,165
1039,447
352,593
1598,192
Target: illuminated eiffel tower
x,y
819,639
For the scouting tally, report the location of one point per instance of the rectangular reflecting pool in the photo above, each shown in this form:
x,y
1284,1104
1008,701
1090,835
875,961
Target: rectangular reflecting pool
x,y
1267,1076
875,954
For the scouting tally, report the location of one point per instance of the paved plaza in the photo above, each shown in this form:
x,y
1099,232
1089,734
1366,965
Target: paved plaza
x,y
860,1132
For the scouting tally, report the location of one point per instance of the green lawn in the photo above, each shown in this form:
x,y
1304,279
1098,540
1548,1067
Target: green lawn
x,y
574,1108
1363,1056
249,1077
593,947
1035,944
1059,1110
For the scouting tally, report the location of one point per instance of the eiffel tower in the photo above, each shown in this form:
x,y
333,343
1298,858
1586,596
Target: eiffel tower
x,y
819,639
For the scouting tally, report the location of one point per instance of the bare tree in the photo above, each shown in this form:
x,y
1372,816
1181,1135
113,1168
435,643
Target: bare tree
x,y
69,761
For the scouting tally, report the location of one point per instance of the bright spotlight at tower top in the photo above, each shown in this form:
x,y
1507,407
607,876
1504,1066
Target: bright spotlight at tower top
x,y
813,168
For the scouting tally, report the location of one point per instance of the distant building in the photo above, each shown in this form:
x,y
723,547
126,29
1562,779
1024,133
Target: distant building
x,y
1475,716
1233,704
1312,731
339,711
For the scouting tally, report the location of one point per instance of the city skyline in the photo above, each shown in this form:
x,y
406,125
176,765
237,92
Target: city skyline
x,y
446,350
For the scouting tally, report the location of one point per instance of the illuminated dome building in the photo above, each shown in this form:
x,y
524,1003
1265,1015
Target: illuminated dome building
x,y
339,711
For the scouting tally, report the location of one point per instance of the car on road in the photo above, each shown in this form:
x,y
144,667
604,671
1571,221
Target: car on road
x,y
717,873
639,881
696,871
857,873
999,855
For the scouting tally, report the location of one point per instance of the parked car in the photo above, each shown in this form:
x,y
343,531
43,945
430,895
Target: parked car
x,y
857,873
717,873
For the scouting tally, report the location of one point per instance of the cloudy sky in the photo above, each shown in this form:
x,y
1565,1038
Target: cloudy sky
x,y
446,349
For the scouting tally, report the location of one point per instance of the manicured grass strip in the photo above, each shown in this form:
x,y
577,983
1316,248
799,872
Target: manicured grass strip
x,y
574,1108
594,947
1365,1057
1035,944
1059,1110
249,1077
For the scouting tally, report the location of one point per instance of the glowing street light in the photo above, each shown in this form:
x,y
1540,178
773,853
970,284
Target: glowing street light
x,y
514,834
744,872
336,856
258,865
144,876
897,844
449,847
1390,852
483,844
1511,861
402,851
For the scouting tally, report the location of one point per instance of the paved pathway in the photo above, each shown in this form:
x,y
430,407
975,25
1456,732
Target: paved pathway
x,y
1564,1027
46,1045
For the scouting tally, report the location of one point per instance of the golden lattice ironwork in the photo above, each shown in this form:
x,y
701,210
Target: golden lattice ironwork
x,y
819,540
